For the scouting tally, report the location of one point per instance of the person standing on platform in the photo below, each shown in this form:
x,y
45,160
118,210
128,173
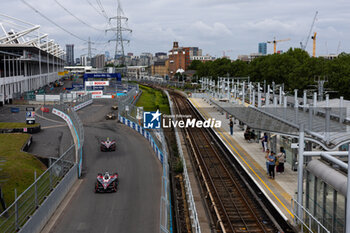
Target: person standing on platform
x,y
281,157
231,126
267,161
272,161
264,140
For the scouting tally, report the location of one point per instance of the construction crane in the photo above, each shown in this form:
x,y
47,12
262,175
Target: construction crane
x,y
338,48
274,42
303,47
314,45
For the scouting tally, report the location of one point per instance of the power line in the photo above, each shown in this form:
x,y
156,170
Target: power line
x,y
95,8
102,9
51,21
77,17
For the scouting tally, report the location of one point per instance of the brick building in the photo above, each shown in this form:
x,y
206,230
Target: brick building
x,y
180,57
177,59
160,68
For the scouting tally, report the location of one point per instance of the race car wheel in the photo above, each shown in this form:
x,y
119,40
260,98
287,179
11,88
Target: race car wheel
x,y
114,187
117,180
96,187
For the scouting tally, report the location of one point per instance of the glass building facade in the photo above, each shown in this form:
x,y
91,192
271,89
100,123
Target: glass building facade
x,y
263,48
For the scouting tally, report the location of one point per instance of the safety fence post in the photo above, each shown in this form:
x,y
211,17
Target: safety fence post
x,y
16,211
35,190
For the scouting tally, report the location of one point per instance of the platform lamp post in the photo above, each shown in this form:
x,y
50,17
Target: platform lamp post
x,y
300,170
347,223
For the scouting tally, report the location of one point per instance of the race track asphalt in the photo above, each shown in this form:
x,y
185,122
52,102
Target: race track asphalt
x,y
135,207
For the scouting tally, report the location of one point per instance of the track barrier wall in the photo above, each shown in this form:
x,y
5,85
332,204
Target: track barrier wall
x,y
158,144
38,220
165,211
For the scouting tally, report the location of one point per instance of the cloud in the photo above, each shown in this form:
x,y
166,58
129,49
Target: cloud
x,y
212,25
215,30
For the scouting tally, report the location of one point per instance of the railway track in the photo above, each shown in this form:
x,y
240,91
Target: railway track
x,y
233,206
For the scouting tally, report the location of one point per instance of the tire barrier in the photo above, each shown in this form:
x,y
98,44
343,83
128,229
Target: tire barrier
x,y
29,130
26,146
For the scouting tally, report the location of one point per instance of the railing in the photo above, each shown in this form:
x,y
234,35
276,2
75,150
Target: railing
x,y
74,98
78,131
16,215
192,206
308,222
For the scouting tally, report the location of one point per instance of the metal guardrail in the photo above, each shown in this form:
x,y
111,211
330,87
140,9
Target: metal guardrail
x,y
77,124
192,206
73,99
16,215
308,222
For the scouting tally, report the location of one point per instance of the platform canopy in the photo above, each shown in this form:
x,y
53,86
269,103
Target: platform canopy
x,y
320,128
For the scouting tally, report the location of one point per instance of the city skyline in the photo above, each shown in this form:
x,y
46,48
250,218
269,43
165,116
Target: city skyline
x,y
224,25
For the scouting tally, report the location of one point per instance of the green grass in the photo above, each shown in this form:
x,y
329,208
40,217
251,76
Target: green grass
x,y
15,125
153,99
18,168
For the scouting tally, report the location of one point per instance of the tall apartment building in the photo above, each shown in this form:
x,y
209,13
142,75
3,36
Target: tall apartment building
x,y
98,61
70,54
84,61
263,48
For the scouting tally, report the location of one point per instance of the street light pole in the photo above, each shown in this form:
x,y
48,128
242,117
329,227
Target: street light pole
x,y
300,170
347,224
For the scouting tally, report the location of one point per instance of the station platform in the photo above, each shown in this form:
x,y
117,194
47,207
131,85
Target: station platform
x,y
251,156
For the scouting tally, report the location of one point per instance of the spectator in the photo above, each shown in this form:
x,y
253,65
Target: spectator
x,y
252,135
267,161
247,134
264,141
281,158
272,161
231,126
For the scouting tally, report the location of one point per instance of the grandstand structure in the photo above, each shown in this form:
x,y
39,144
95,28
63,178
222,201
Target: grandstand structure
x,y
29,60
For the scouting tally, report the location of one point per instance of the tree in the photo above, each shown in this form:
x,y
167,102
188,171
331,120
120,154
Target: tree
x,y
194,65
295,68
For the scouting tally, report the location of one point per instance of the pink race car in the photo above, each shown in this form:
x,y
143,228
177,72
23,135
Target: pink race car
x,y
108,145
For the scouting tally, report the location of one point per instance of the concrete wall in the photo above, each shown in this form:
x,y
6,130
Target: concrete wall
x,y
39,219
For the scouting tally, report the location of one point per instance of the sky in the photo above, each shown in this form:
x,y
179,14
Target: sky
x,y
235,26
